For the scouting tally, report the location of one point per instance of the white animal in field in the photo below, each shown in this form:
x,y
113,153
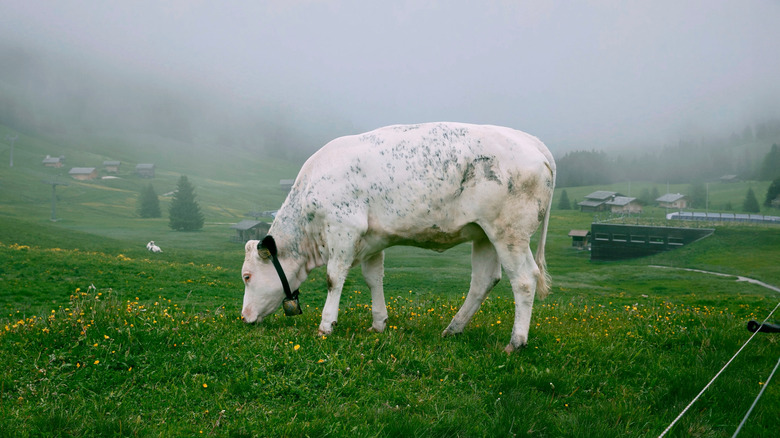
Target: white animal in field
x,y
152,247
432,185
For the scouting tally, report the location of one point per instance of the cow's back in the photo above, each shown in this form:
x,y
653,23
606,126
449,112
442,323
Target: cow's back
x,y
425,182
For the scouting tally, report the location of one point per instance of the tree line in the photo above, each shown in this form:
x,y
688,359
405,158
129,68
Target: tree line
x,y
686,162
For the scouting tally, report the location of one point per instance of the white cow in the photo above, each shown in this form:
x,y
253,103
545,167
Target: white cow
x,y
152,247
431,185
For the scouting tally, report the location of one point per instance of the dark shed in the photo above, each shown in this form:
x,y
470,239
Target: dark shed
x,y
249,229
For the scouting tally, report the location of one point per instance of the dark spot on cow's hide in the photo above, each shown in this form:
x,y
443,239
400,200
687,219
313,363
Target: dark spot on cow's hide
x,y
310,217
542,212
483,163
529,186
468,175
487,168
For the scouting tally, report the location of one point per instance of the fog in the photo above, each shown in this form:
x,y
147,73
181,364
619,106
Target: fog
x,y
282,74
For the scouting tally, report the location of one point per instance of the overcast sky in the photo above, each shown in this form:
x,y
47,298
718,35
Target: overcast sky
x,y
577,74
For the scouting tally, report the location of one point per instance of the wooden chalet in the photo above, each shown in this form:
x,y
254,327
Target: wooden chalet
x,y
145,170
673,200
83,173
286,184
111,166
249,229
624,205
597,201
580,239
50,161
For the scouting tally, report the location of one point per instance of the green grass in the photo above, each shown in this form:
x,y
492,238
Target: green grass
x,y
99,337
157,347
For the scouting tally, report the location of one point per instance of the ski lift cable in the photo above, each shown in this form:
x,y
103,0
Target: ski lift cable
x,y
668,428
760,393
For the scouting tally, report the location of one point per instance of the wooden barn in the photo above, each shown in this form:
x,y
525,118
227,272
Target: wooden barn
x,y
83,173
249,229
50,161
580,239
673,200
624,205
145,170
286,184
597,201
111,166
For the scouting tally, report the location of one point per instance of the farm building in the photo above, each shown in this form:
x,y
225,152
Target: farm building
x,y
286,184
580,239
83,173
620,241
250,230
729,179
50,161
111,166
624,205
145,170
597,201
673,200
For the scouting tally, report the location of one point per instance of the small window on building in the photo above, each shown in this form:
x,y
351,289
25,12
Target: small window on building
x,y
638,239
656,240
619,238
602,236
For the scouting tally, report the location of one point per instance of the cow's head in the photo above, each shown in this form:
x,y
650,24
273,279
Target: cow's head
x,y
263,291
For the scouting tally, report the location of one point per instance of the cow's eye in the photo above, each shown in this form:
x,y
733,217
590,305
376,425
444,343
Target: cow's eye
x,y
247,277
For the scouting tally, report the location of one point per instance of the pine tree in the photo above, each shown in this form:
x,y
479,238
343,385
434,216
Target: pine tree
x,y
773,192
184,213
698,195
654,194
770,167
751,203
564,203
148,203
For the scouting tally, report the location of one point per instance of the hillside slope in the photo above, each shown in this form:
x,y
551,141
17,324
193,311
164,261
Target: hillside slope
x,y
228,182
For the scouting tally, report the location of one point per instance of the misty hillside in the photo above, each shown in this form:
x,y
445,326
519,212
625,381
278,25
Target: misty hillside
x,y
690,161
228,183
68,98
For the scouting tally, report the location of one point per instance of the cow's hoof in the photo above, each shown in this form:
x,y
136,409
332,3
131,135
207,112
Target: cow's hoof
x,y
324,332
511,347
448,333
378,327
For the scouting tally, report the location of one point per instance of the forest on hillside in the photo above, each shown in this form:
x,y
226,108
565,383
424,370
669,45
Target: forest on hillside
x,y
751,155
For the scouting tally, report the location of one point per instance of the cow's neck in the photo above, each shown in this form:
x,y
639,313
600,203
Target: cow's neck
x,y
296,246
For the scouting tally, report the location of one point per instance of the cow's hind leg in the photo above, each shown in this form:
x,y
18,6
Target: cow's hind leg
x,y
373,273
485,273
520,267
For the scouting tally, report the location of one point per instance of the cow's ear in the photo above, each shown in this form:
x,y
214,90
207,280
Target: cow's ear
x,y
266,248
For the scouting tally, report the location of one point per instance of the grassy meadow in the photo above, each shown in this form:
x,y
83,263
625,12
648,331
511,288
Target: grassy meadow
x,y
99,337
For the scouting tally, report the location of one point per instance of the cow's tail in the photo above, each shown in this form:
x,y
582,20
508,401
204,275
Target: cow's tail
x,y
544,281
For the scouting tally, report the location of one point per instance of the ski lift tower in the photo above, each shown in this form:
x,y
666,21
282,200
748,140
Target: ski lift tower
x,y
54,185
12,140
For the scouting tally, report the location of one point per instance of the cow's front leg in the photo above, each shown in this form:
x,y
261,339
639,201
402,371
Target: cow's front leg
x,y
337,274
373,273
